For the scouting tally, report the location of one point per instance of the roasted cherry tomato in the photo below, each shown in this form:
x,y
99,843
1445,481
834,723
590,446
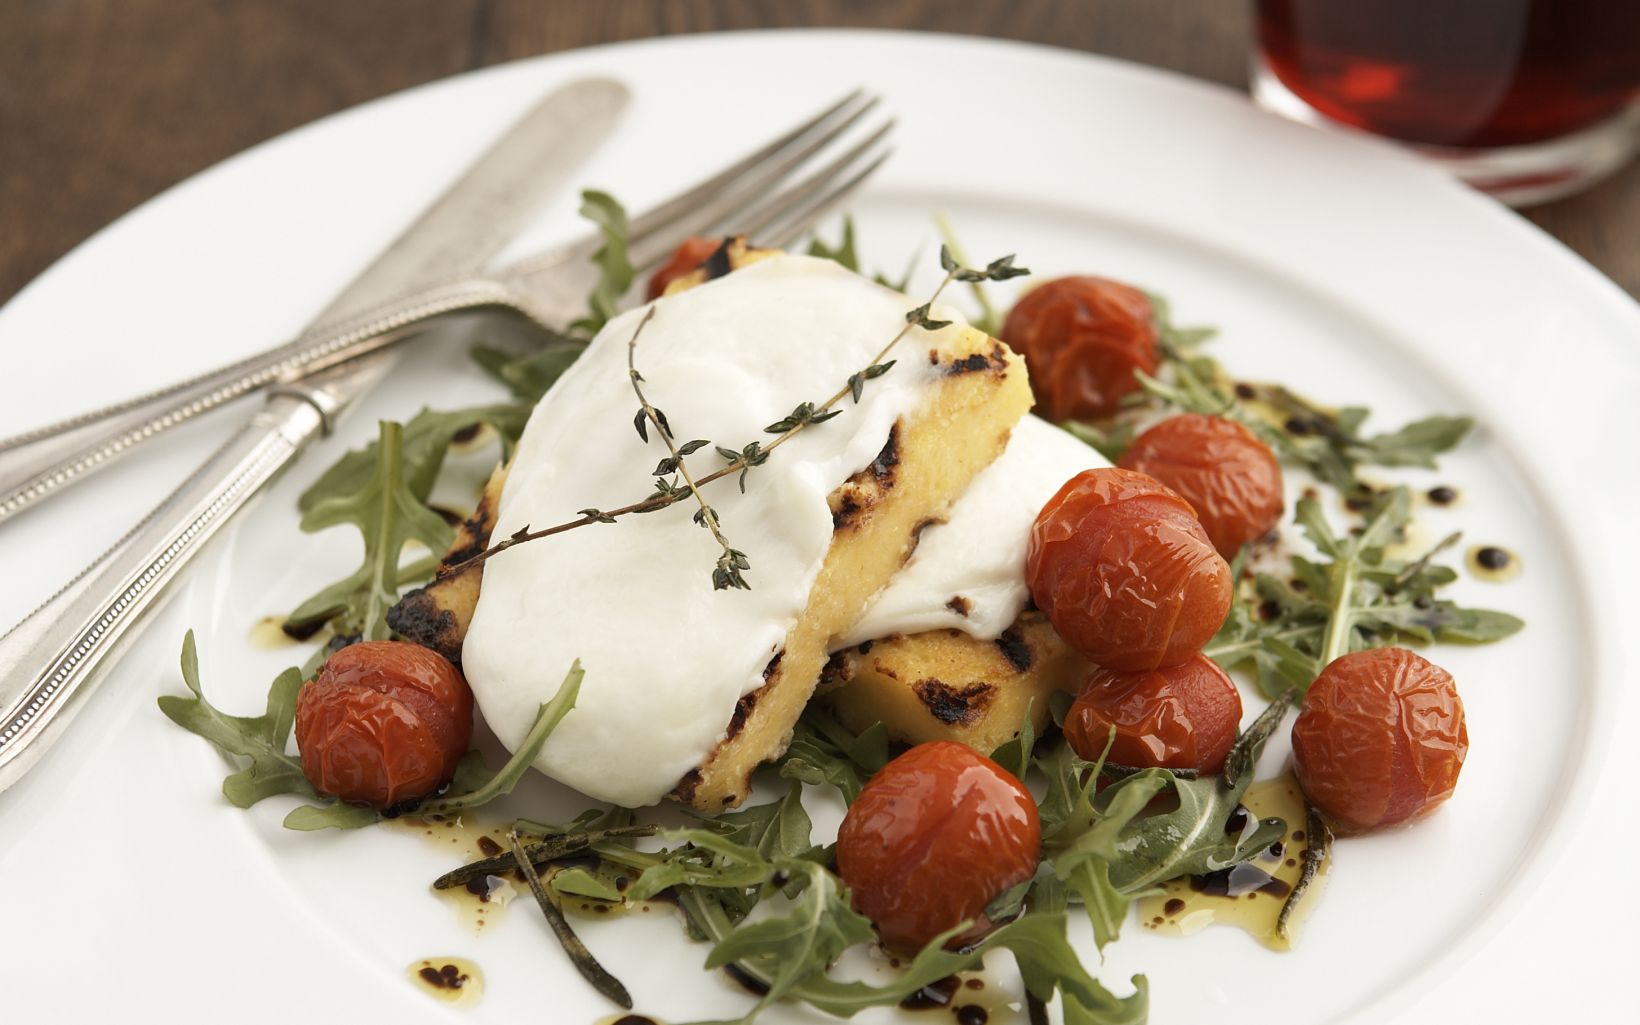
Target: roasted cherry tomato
x,y
1180,717
1082,338
1380,739
690,254
383,723
1227,475
932,839
1125,572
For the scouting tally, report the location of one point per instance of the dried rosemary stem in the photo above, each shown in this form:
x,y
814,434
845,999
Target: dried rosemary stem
x,y
579,955
550,849
1317,846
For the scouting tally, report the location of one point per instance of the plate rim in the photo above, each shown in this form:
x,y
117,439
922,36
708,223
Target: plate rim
x,y
1600,728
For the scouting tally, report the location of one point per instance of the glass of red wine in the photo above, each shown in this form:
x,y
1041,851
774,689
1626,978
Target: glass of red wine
x,y
1527,100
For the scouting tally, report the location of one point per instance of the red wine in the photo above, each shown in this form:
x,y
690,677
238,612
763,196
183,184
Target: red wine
x,y
1464,73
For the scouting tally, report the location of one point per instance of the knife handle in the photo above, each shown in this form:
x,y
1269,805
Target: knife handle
x,y
42,461
51,660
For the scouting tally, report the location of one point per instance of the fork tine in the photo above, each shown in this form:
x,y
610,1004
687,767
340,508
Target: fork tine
x,y
668,211
803,218
777,208
746,188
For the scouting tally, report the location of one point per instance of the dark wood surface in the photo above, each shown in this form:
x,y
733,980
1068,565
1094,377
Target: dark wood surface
x,y
104,103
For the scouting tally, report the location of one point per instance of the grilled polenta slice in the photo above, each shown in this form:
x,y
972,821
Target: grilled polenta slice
x,y
929,458
876,516
949,685
437,616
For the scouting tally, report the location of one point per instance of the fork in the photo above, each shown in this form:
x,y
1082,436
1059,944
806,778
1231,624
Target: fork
x,y
759,195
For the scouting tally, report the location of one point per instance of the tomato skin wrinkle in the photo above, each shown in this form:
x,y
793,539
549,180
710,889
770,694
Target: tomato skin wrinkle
x,y
1125,572
1381,739
1230,477
932,839
1082,338
1177,717
383,722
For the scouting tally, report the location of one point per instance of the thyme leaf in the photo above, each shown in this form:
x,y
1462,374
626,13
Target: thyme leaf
x,y
727,572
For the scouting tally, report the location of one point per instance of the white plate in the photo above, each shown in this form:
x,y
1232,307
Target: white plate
x,y
1332,264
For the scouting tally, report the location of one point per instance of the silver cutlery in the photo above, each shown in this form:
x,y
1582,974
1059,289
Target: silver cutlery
x,y
47,663
51,661
549,287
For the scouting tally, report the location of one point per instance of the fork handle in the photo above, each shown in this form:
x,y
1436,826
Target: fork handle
x,y
50,661
42,462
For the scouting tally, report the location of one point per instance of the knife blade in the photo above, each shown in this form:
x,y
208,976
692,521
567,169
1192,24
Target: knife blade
x,y
457,233
52,660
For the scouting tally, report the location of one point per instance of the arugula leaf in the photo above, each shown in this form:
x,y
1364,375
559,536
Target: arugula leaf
x,y
783,950
1326,442
1192,838
426,441
528,376
808,937
711,860
1111,443
1356,597
335,815
779,829
388,513
822,751
843,252
262,739
478,786
1015,755
845,255
615,269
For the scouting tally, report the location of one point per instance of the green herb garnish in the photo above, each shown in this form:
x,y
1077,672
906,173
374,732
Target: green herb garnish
x,y
261,739
271,771
387,511
727,572
1353,597
614,269
579,955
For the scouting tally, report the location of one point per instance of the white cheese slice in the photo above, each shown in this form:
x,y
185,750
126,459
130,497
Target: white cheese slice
x,y
666,656
968,573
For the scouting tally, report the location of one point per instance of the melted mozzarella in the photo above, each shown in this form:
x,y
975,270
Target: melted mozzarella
x,y
666,656
969,572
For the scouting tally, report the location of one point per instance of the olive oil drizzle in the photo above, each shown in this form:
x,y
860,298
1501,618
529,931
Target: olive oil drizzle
x,y
1267,896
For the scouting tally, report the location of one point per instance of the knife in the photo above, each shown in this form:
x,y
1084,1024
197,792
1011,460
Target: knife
x,y
51,661
457,233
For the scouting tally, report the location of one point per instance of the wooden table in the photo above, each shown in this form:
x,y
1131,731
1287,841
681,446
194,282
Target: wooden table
x,y
104,103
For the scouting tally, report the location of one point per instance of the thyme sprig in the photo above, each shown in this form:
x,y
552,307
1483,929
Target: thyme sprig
x,y
727,574
804,415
